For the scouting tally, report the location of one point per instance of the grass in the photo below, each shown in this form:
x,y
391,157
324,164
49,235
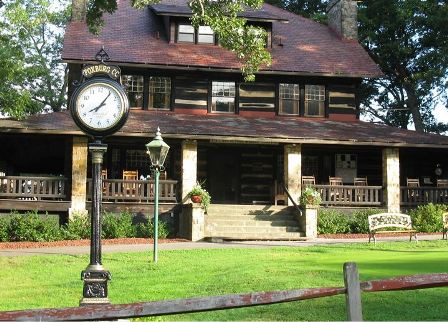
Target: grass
x,y
53,281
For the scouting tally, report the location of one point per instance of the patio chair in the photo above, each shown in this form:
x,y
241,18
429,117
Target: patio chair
x,y
442,183
308,181
413,183
279,193
130,189
360,194
335,193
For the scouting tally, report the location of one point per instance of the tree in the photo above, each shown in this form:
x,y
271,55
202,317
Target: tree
x,y
32,78
408,39
248,42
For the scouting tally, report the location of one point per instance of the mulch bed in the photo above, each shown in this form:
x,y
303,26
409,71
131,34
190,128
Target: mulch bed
x,y
86,242
130,241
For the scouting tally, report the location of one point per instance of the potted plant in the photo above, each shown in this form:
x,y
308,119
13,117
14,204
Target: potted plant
x,y
199,195
310,197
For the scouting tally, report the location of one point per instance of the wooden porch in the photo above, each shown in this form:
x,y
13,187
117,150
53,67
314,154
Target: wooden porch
x,y
53,194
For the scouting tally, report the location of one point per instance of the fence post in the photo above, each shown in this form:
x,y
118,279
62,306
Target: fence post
x,y
353,292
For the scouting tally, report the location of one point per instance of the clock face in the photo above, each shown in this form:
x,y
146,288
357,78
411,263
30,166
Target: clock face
x,y
100,107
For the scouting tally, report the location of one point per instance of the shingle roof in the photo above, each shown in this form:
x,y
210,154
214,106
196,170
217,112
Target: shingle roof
x,y
238,128
134,36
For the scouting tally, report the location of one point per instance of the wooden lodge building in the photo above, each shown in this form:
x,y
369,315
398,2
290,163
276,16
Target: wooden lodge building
x,y
246,141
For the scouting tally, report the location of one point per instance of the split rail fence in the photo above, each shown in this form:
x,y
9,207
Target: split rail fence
x,y
352,291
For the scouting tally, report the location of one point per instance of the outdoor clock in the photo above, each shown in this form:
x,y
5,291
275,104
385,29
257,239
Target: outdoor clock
x,y
99,106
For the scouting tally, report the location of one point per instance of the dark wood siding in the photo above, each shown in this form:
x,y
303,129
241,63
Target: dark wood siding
x,y
341,99
257,175
256,97
190,93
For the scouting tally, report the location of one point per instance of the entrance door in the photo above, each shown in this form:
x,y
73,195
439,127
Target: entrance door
x,y
224,176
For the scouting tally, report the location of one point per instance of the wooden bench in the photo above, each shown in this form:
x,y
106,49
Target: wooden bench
x,y
395,220
445,225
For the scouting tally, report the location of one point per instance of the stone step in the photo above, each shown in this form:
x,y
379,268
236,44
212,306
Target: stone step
x,y
248,222
252,229
229,210
252,236
252,217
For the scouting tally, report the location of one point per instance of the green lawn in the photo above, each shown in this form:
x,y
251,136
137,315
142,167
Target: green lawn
x,y
54,281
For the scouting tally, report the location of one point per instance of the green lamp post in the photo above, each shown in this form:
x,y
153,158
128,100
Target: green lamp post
x,y
157,150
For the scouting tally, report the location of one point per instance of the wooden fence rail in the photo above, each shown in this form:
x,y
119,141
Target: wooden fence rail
x,y
414,196
116,190
352,290
350,195
33,188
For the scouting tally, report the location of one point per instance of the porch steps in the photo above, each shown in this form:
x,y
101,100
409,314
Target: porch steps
x,y
252,222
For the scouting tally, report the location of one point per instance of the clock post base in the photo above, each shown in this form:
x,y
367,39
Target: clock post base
x,y
95,285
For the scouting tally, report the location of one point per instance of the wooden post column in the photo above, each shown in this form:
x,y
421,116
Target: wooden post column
x,y
79,176
391,179
293,170
189,166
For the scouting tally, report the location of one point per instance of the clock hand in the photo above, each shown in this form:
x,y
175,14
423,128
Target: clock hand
x,y
102,104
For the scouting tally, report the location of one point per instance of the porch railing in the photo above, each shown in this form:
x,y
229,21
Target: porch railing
x,y
350,195
413,196
116,190
33,188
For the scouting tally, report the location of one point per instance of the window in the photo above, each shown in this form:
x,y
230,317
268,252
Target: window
x,y
223,97
133,86
289,99
185,33
314,100
205,35
159,92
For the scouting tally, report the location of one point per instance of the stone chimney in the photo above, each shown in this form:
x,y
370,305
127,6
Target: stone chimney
x,y
342,18
79,10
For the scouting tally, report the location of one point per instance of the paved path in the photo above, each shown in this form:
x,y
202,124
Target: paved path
x,y
73,250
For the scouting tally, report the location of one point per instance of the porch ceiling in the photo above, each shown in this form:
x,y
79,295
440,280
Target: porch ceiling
x,y
235,128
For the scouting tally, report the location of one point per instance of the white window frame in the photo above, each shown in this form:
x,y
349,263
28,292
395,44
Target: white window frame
x,y
223,92
289,92
159,85
185,32
315,93
133,85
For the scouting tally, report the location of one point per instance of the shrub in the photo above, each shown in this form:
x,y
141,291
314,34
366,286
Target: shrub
x,y
330,221
146,230
3,230
117,226
31,227
359,223
78,227
428,218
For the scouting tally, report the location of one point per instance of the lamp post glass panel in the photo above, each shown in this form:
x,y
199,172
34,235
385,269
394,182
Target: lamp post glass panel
x,y
157,150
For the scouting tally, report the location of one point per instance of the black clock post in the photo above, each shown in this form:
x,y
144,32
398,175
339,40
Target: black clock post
x,y
95,277
100,107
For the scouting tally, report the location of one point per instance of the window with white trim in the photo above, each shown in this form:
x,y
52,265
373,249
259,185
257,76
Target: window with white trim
x,y
159,92
289,99
185,33
133,85
206,35
314,100
223,97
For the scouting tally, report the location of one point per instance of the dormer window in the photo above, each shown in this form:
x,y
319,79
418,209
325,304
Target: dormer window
x,y
202,35
185,33
206,35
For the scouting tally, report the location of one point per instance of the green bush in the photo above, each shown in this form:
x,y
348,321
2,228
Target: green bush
x,y
359,223
146,230
428,218
31,227
330,221
3,230
78,227
117,226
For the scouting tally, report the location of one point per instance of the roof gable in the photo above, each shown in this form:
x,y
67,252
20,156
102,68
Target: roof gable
x,y
137,37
